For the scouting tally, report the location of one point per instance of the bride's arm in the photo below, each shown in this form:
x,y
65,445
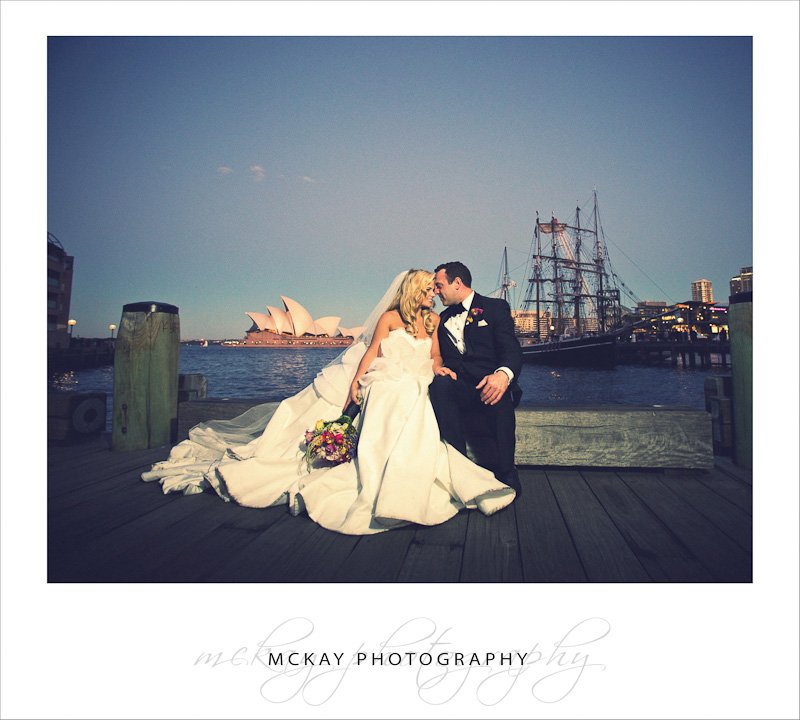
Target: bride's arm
x,y
381,332
436,354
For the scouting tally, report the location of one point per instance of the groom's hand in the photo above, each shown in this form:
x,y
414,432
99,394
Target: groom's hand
x,y
493,387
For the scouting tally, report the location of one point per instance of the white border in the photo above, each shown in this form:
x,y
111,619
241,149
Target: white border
x,y
126,651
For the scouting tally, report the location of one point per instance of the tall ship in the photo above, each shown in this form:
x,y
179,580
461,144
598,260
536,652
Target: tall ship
x,y
571,312
293,327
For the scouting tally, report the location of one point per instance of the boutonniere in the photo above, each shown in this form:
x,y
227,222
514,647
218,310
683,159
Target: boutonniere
x,y
474,313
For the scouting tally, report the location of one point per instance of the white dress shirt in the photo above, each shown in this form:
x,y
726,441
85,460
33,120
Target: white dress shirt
x,y
455,326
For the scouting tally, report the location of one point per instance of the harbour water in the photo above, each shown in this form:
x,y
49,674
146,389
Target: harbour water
x,y
271,375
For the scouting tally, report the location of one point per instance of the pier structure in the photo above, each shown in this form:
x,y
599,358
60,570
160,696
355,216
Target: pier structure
x,y
81,354
637,497
571,524
697,353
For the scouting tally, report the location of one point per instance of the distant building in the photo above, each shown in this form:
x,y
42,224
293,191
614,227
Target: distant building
x,y
293,326
525,323
647,308
661,318
705,318
743,282
702,292
59,292
655,319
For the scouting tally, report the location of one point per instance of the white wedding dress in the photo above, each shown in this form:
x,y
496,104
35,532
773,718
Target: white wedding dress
x,y
403,473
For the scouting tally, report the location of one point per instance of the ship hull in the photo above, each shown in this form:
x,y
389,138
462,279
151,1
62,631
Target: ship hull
x,y
592,351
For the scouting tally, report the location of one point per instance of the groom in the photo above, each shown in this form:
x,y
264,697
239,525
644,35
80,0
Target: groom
x,y
477,342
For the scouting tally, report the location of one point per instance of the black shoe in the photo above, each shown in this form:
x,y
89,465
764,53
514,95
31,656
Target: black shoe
x,y
511,478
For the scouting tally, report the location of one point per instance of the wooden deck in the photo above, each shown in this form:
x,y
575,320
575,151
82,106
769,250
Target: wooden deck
x,y
570,525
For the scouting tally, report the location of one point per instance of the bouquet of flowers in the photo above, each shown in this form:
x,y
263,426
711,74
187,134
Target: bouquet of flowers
x,y
333,441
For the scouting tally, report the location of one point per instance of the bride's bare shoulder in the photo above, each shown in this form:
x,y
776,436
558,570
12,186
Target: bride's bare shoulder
x,y
391,320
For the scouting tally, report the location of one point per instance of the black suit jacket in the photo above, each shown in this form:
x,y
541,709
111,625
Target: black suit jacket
x,y
489,339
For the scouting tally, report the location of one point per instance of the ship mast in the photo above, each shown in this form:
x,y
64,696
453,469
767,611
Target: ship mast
x,y
578,285
538,277
598,259
557,289
507,283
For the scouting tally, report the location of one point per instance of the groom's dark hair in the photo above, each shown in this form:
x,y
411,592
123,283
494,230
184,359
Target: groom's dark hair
x,y
456,269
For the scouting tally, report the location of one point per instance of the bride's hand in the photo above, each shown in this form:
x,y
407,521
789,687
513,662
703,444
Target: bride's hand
x,y
355,395
446,371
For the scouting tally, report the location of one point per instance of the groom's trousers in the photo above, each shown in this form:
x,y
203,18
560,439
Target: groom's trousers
x,y
452,400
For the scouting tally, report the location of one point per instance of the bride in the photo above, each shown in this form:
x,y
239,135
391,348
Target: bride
x,y
402,473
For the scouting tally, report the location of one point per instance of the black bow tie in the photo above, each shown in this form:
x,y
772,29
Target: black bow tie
x,y
457,309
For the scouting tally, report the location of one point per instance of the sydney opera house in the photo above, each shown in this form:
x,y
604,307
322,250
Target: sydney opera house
x,y
293,326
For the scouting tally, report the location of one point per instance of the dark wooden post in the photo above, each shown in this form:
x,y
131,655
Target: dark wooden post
x,y
145,411
740,324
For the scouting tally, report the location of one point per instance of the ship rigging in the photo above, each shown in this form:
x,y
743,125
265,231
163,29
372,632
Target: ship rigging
x,y
572,293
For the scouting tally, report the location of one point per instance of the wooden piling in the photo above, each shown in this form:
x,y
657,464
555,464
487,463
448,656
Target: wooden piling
x,y
740,324
146,376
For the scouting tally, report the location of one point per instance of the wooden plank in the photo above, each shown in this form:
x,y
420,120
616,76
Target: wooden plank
x,y
662,556
727,516
99,468
437,551
59,452
208,552
603,551
432,563
125,486
735,491
159,547
253,519
491,549
614,436
547,551
722,557
297,550
102,465
727,466
124,554
104,511
377,558
127,481
452,532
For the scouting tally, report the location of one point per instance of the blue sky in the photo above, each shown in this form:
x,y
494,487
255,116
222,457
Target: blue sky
x,y
218,173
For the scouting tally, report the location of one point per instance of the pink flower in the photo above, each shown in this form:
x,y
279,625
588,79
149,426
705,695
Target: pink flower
x,y
333,441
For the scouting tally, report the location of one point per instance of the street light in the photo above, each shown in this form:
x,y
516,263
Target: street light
x,y
72,323
112,327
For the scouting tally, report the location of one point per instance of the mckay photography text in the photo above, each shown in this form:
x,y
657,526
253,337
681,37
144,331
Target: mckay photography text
x,y
432,661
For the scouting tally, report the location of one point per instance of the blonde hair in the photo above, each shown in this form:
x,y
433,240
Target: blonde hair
x,y
409,297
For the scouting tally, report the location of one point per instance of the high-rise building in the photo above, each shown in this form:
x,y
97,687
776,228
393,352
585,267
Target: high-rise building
x,y
59,292
743,282
702,292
